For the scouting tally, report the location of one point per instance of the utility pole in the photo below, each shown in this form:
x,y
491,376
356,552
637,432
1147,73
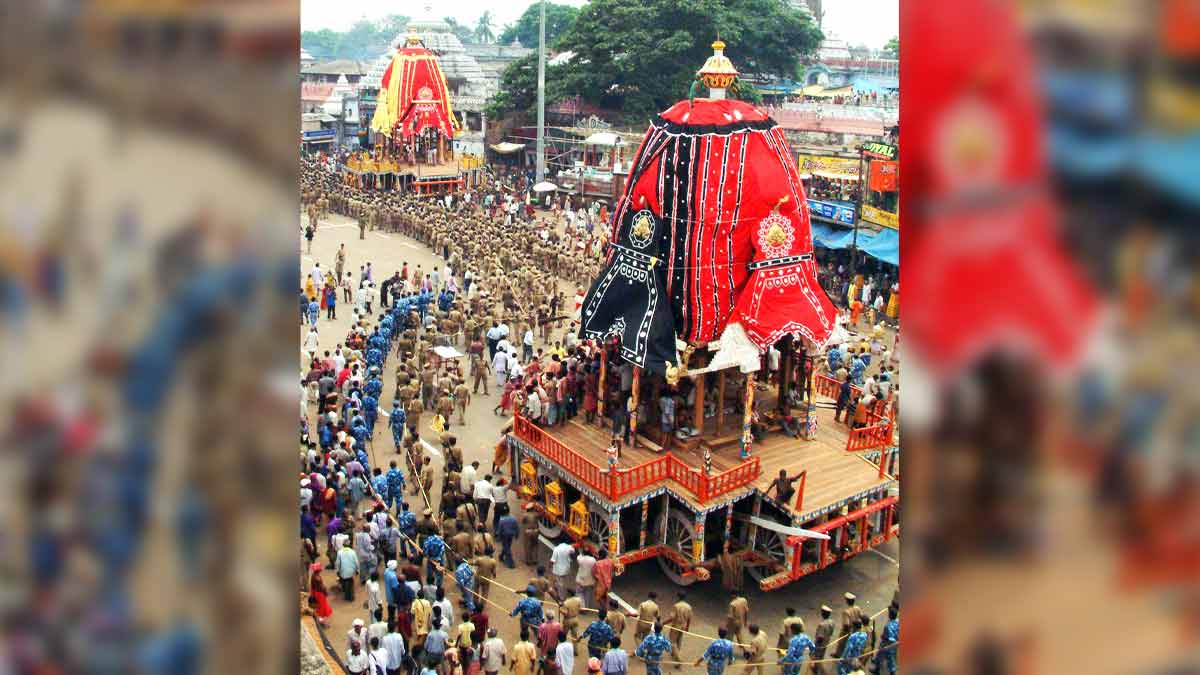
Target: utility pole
x,y
541,99
862,190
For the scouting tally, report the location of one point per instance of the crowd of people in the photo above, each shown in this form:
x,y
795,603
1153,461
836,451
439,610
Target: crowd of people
x,y
393,538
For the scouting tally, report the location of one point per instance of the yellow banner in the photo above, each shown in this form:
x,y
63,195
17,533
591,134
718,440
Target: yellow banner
x,y
881,217
829,167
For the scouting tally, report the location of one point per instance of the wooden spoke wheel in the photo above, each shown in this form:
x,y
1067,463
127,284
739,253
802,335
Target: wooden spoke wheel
x,y
547,527
680,535
770,544
598,530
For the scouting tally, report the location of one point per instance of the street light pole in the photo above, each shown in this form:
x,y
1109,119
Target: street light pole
x,y
541,96
857,217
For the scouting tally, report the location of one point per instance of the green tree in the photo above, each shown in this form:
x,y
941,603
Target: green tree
x,y
641,57
393,25
464,32
322,44
364,41
892,49
518,88
558,19
483,28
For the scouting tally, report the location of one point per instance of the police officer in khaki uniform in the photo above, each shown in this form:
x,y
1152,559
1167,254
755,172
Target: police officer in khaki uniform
x,y
462,398
679,620
414,411
570,609
647,615
529,534
785,628
850,614
738,617
822,637
485,570
460,543
756,655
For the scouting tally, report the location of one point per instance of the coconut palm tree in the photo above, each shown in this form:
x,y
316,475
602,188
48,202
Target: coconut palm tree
x,y
483,28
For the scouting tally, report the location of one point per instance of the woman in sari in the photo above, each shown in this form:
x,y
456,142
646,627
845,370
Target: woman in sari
x,y
318,596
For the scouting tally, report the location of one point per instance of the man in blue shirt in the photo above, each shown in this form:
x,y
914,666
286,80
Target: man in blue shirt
x,y
308,526
599,635
835,359
435,642
391,588
507,530
652,650
793,660
855,644
530,609
886,657
857,369
718,654
616,661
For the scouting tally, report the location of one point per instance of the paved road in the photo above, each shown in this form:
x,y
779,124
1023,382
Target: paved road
x,y
871,576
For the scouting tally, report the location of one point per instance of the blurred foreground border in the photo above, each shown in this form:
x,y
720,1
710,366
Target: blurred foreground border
x,y
147,246
1052,516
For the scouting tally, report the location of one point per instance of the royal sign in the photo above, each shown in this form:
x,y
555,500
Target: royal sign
x,y
879,150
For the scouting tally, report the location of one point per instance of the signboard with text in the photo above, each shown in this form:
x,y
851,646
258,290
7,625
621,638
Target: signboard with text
x,y
838,213
884,176
881,217
879,150
318,134
829,167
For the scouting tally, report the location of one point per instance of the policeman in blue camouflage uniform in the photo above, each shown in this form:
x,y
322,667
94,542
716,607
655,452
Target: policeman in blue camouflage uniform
x,y
530,609
886,657
380,485
855,644
599,635
435,552
374,357
793,660
652,649
407,521
464,574
395,483
718,654
396,423
371,412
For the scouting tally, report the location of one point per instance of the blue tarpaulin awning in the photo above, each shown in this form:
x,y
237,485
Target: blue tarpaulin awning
x,y
884,245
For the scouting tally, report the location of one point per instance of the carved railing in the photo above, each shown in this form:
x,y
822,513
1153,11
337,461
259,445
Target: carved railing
x,y
616,484
554,450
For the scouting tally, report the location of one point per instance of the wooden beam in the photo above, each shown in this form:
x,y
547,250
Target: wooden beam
x,y
601,394
633,417
747,415
720,402
698,407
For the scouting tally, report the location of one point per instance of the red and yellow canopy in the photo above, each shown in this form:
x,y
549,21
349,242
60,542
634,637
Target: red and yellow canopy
x,y
413,95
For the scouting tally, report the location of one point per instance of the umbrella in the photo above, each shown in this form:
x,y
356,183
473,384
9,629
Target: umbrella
x,y
544,186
